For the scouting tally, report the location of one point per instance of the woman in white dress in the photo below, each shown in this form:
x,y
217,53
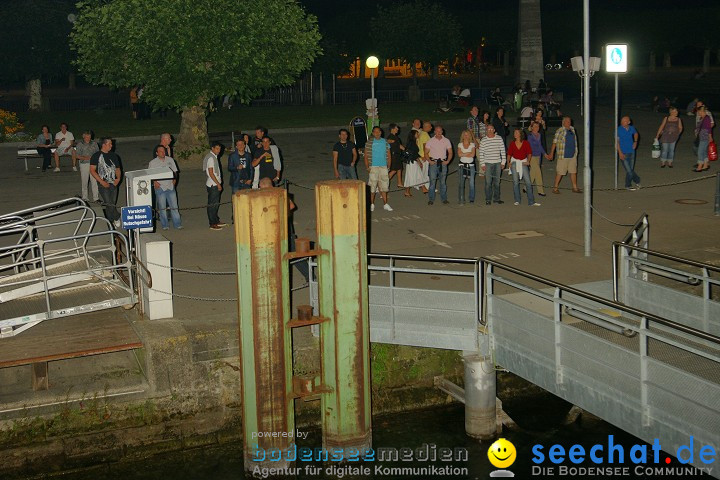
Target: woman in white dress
x,y
413,169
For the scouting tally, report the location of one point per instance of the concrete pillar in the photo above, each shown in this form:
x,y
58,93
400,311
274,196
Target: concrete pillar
x,y
343,299
530,51
261,236
480,392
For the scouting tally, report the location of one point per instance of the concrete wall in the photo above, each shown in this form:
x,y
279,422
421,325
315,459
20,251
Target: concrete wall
x,y
188,396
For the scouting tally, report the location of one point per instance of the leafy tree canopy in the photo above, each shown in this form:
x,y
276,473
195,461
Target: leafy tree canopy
x,y
416,32
186,52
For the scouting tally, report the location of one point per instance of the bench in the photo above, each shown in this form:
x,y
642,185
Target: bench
x,y
29,151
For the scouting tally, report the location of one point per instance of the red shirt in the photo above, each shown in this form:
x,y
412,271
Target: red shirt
x,y
521,153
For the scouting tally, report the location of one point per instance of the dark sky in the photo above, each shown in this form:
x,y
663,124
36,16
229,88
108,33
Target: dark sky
x,y
659,25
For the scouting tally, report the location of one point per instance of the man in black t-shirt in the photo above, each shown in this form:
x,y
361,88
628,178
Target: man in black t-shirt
x,y
345,157
257,141
267,161
105,167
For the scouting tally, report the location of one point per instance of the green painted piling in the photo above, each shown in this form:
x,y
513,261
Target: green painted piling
x,y
261,235
343,299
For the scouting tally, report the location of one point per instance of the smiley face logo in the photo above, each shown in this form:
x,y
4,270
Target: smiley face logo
x,y
502,453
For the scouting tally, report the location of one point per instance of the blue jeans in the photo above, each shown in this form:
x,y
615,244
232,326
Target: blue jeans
x,y
667,152
347,172
629,165
516,184
702,151
108,195
165,199
464,169
492,182
438,172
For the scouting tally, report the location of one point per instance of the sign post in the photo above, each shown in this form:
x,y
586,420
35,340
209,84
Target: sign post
x,y
616,62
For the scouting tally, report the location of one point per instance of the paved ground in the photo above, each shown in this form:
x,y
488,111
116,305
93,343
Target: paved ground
x,y
441,230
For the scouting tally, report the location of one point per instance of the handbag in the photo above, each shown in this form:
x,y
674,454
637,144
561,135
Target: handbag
x,y
712,151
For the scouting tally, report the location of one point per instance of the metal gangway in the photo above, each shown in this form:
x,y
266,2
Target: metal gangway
x,y
60,259
649,365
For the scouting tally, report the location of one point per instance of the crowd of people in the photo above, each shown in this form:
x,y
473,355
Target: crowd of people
x,y
485,148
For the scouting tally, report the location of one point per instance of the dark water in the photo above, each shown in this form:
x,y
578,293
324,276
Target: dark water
x,y
540,421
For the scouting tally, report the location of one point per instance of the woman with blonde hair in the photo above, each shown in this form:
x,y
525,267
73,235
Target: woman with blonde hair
x,y
466,150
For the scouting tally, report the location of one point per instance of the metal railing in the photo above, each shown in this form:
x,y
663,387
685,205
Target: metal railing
x,y
662,344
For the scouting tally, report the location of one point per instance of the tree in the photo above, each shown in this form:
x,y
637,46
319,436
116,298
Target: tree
x,y
416,32
187,53
33,43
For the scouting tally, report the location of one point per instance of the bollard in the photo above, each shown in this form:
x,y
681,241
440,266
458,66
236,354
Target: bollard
x,y
343,299
717,194
480,409
261,235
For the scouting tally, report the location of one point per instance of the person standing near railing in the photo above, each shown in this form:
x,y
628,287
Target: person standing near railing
x,y
106,168
165,195
492,161
85,150
439,152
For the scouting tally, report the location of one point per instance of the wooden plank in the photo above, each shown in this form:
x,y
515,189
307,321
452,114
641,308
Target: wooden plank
x,y
70,337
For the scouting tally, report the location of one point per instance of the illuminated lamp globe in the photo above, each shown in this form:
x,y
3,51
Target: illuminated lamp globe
x,y
372,62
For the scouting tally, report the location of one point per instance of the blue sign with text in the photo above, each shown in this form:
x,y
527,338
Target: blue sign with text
x,y
136,217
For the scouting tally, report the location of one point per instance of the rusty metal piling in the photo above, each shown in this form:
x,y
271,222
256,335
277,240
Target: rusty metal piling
x,y
261,234
343,300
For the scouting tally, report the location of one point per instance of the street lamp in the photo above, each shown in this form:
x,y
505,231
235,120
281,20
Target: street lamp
x,y
372,63
578,66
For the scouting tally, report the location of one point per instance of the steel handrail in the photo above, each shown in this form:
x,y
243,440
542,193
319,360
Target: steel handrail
x,y
46,206
640,221
668,256
422,258
609,303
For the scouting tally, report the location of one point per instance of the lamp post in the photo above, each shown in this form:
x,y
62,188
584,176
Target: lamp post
x,y
372,63
586,68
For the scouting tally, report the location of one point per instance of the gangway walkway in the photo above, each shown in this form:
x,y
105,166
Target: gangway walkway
x,y
60,259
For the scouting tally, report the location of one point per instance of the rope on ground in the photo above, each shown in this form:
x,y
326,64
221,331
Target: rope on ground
x,y
212,299
611,221
305,187
188,270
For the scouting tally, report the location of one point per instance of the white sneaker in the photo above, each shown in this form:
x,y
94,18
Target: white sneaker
x,y
74,169
387,207
117,223
516,203
535,204
372,207
57,169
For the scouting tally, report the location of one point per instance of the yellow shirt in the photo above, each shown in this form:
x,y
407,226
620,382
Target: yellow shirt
x,y
421,141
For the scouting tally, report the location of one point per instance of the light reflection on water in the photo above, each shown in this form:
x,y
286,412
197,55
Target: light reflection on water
x,y
540,419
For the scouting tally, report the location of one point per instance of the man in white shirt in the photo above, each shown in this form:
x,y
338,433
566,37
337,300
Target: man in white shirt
x,y
165,196
65,143
213,183
439,152
492,161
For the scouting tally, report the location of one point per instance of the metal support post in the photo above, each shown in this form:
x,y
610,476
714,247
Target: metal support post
x,y
717,194
480,391
343,299
614,130
261,236
587,172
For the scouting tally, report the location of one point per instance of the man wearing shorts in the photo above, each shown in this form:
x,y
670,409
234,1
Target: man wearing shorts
x,y
377,162
565,142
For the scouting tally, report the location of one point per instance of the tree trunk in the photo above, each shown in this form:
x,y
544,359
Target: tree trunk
x,y
34,90
193,140
71,81
667,62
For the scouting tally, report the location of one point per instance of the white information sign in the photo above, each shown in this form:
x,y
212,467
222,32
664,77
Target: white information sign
x,y
616,58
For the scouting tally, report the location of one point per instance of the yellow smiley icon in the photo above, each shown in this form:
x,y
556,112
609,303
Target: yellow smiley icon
x,y
502,453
